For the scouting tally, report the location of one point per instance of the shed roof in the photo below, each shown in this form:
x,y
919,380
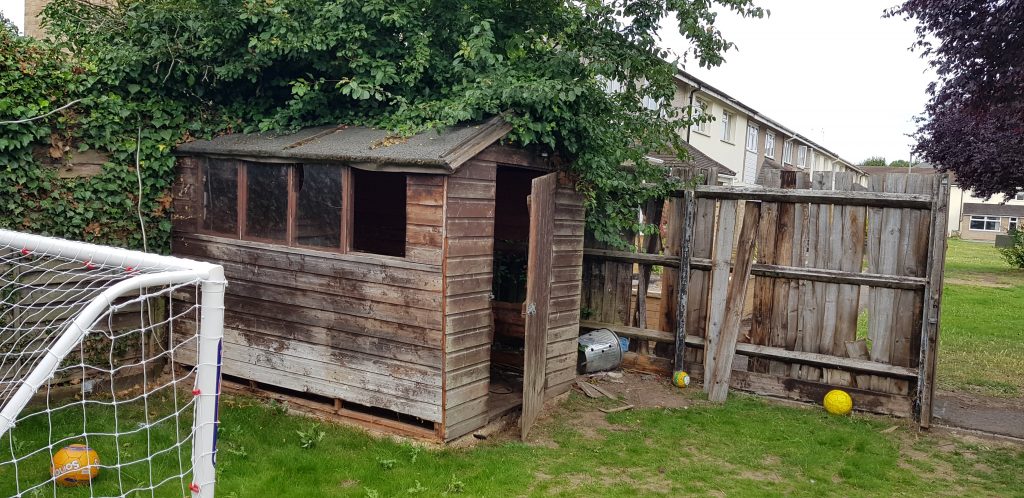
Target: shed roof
x,y
994,209
438,152
697,159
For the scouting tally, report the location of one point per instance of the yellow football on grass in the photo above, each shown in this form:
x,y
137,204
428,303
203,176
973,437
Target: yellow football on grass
x,y
75,464
838,402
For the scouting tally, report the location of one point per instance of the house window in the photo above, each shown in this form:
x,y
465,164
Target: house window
x,y
787,152
701,108
1013,225
801,156
752,138
985,223
727,126
769,144
1019,196
378,206
305,205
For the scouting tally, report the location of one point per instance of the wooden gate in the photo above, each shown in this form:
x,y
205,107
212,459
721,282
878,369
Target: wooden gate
x,y
844,290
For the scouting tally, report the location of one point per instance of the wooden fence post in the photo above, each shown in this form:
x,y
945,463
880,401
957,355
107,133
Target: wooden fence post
x,y
933,302
689,210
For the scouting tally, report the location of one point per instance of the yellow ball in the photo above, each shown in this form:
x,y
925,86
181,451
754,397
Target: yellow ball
x,y
838,402
75,464
680,379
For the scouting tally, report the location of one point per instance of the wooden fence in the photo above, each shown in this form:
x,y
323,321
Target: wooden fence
x,y
843,290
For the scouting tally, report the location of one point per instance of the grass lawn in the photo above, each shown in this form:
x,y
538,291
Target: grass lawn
x,y
745,448
981,345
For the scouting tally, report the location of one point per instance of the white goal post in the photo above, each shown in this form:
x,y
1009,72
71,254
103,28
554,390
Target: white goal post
x,y
111,349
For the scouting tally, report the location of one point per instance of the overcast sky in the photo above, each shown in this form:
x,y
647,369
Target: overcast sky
x,y
832,70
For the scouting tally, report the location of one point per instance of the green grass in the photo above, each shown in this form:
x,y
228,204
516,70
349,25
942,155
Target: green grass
x,y
981,345
745,448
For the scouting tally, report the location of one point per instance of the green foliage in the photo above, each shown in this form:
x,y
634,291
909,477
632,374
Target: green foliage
x,y
901,163
173,70
1014,255
309,438
874,161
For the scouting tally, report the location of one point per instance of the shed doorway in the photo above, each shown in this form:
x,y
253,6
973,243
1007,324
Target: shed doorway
x,y
511,245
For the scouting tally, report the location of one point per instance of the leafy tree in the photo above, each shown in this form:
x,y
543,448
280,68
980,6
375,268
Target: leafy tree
x,y
873,161
900,163
194,68
972,122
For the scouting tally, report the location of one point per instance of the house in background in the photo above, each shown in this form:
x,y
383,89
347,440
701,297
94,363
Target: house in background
x,y
975,218
746,141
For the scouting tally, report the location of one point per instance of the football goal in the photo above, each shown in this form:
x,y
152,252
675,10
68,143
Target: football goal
x,y
109,370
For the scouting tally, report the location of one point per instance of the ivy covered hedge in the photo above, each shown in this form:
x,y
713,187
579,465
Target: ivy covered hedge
x,y
146,75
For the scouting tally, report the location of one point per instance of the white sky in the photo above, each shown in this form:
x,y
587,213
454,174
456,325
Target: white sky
x,y
15,11
832,70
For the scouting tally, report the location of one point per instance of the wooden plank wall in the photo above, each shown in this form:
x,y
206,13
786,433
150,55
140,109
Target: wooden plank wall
x,y
469,245
363,329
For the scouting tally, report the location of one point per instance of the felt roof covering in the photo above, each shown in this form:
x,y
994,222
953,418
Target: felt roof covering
x,y
697,159
436,151
994,209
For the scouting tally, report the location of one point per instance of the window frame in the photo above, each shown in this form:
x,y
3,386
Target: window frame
x,y
769,138
291,236
1019,196
985,220
1014,224
727,126
801,156
756,131
787,152
701,108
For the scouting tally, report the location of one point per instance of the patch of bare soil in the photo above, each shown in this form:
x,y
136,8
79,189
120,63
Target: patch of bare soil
x,y
643,390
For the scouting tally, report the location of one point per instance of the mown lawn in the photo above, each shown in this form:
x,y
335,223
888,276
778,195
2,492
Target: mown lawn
x,y
745,448
981,345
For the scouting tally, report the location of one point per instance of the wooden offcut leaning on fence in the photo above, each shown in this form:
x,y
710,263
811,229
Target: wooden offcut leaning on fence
x,y
825,256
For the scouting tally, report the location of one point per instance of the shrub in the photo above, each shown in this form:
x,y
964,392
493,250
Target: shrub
x,y
1014,255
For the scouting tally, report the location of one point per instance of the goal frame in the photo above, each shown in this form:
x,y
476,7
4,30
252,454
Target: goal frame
x,y
210,334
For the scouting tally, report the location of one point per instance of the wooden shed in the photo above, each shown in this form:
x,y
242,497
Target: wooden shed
x,y
415,284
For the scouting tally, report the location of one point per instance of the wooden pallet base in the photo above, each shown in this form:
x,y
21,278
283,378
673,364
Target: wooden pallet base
x,y
335,410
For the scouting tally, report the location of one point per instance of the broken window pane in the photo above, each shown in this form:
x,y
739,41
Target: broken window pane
x,y
378,219
318,205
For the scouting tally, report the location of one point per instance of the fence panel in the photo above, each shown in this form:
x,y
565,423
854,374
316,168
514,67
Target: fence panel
x,y
844,293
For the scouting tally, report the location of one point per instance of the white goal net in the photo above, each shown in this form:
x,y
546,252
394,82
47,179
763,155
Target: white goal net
x,y
109,370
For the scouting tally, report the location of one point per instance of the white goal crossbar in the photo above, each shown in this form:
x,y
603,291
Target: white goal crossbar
x,y
145,271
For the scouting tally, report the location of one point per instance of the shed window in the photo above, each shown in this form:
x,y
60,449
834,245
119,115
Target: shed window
x,y
328,207
318,206
378,212
266,213
220,199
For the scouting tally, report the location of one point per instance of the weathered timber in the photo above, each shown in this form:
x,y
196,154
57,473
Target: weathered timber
x,y
542,208
826,197
725,349
933,301
720,268
683,285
